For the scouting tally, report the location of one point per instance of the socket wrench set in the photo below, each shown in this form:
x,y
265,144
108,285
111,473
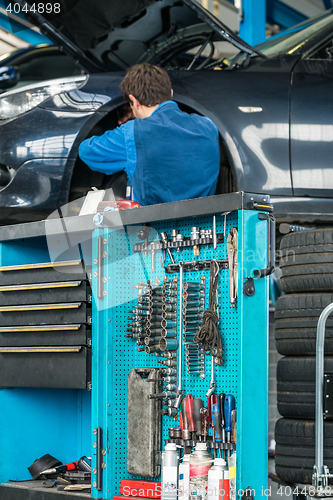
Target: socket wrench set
x,y
181,326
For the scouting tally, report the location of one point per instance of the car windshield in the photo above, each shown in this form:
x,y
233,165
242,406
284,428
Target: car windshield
x,y
289,41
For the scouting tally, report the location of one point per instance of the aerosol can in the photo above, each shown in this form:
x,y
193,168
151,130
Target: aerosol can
x,y
200,463
218,480
169,474
184,479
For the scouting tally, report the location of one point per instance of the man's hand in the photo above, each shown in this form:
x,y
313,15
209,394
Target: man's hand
x,y
125,114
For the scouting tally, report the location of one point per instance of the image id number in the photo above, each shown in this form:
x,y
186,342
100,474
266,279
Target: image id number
x,y
40,8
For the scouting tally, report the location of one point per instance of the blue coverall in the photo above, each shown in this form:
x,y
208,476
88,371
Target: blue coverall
x,y
168,156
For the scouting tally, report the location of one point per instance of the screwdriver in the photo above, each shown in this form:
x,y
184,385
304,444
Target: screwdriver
x,y
184,421
197,405
189,413
229,405
66,467
212,400
205,421
217,421
184,425
221,405
233,426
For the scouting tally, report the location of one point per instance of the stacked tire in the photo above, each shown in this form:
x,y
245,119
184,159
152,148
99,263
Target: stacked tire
x,y
306,265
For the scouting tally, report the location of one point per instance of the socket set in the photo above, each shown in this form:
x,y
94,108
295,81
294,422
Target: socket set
x,y
193,309
198,237
154,318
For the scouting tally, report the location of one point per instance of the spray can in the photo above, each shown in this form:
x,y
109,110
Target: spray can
x,y
218,481
169,474
200,463
184,479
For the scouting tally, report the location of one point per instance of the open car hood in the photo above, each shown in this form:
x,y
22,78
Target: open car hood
x,y
110,35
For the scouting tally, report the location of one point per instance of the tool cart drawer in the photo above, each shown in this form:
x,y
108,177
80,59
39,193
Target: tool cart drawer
x,y
53,367
42,272
37,335
45,314
45,293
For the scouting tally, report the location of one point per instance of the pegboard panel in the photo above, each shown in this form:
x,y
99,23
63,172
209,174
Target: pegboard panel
x,y
123,271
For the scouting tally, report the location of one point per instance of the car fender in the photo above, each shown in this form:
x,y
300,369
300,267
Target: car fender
x,y
229,144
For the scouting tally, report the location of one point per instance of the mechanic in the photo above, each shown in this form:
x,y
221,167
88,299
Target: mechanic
x,y
168,155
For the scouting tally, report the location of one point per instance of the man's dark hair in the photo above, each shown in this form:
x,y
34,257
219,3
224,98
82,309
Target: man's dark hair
x,y
149,84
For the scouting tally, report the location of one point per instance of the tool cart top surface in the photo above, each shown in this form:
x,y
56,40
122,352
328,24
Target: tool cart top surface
x,y
167,211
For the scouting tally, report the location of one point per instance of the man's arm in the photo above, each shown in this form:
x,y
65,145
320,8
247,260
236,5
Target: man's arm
x,y
106,153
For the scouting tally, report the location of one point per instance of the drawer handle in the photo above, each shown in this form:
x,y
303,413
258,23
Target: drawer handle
x,y
16,350
38,328
41,265
43,307
40,286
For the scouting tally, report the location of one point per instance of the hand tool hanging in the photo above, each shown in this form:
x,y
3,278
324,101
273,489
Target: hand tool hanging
x,y
209,335
229,406
213,359
232,249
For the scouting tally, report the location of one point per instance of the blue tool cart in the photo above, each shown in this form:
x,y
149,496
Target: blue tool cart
x,y
77,345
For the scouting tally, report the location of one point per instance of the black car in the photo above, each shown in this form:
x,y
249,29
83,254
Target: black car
x,y
35,63
272,105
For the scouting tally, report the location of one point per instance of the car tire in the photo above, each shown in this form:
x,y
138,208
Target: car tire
x,y
296,385
295,449
296,318
307,261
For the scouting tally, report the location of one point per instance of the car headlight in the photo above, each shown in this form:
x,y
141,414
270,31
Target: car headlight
x,y
19,101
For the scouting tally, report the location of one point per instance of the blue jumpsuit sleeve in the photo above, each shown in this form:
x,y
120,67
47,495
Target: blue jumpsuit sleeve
x,y
211,121
106,153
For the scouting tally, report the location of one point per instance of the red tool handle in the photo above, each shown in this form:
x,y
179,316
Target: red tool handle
x,y
189,412
65,467
73,465
181,420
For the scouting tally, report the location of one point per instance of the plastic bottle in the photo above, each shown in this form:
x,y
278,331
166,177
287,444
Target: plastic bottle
x,y
232,475
200,463
184,479
169,474
218,480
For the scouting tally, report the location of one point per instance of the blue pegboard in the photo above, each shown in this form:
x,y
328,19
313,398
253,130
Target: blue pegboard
x,y
244,337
